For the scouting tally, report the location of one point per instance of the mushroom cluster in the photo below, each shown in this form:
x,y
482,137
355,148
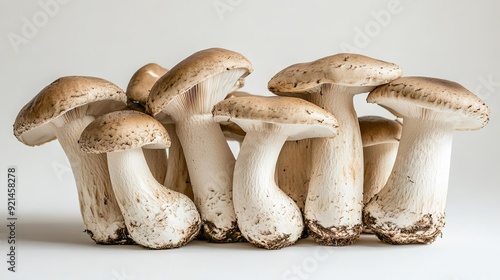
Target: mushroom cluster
x,y
153,167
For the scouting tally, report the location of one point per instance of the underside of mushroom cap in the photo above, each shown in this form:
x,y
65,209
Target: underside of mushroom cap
x,y
434,99
343,69
193,70
297,118
60,97
123,130
378,130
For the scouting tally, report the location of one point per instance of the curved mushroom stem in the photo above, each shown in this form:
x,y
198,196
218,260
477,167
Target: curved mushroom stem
x,y
211,164
335,197
177,177
156,217
294,170
100,212
157,162
267,217
410,208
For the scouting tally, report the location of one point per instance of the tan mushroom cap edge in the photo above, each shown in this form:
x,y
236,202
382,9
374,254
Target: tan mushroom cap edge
x,y
277,110
342,69
452,99
196,68
379,130
142,81
123,130
61,96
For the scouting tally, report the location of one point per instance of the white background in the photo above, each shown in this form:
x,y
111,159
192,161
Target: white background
x,y
455,40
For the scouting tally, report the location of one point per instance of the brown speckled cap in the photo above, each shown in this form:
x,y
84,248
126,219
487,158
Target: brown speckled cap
x,y
141,82
123,130
344,69
31,126
302,119
378,130
196,68
424,97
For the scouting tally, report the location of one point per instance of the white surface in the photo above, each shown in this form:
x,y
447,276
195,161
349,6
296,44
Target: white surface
x,y
445,39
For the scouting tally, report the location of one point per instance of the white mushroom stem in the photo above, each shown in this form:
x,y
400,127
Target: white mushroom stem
x,y
100,212
267,217
294,170
156,217
177,177
410,208
378,162
333,210
157,162
210,163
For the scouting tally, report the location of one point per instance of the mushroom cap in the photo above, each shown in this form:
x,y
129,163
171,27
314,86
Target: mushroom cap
x,y
123,130
378,130
196,68
432,98
238,93
141,82
343,69
296,118
31,126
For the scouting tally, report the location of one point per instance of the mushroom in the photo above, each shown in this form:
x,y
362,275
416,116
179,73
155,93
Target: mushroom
x,y
186,95
62,110
137,93
335,196
156,217
410,207
267,217
380,138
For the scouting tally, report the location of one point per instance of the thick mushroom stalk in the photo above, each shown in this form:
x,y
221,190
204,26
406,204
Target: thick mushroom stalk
x,y
186,95
211,164
410,208
100,212
380,137
62,110
333,210
267,217
156,217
